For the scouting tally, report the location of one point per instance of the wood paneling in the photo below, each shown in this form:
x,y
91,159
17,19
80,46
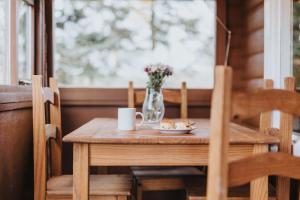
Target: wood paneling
x,y
16,168
246,20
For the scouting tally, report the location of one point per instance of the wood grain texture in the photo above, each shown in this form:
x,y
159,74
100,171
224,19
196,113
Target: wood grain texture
x,y
119,96
254,17
184,101
254,67
246,20
81,172
55,119
266,117
286,129
219,142
104,130
39,139
234,193
279,164
151,155
258,187
130,95
101,185
162,184
16,154
251,104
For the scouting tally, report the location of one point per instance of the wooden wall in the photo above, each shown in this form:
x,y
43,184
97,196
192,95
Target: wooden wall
x,y
246,20
16,155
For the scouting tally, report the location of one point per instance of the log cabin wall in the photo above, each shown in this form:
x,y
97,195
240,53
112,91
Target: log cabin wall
x,y
246,20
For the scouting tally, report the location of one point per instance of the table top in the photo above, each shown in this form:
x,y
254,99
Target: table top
x,y
104,130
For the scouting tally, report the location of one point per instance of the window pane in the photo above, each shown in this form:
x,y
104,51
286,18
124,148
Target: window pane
x,y
24,41
106,43
3,39
296,43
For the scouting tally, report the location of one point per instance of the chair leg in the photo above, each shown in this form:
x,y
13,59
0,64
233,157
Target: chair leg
x,y
139,192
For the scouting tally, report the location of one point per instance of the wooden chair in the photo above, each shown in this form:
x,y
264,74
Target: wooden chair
x,y
162,178
225,106
49,183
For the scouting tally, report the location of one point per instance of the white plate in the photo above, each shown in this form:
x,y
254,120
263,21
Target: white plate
x,y
175,131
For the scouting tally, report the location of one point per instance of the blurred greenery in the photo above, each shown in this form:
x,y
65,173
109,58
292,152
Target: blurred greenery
x,y
76,60
296,43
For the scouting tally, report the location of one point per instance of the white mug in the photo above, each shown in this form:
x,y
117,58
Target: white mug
x,y
127,119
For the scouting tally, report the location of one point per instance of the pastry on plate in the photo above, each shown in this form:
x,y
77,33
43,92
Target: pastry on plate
x,y
182,125
167,124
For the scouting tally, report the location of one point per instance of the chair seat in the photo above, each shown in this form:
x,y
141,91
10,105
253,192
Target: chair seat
x,y
236,193
160,172
100,185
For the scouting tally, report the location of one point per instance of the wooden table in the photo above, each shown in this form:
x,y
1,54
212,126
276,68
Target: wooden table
x,y
98,143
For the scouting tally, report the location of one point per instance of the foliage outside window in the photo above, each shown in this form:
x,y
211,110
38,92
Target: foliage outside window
x,y
296,43
25,41
106,43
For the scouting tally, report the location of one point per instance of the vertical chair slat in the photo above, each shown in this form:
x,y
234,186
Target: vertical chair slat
x,y
266,117
55,119
39,138
218,147
184,101
286,128
130,95
265,124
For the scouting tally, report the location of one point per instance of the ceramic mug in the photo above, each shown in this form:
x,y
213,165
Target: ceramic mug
x,y
127,119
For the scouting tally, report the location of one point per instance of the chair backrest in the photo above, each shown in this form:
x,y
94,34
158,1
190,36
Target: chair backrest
x,y
172,96
226,106
47,138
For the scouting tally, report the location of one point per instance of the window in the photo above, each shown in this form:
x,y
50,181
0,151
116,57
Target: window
x,y
106,43
16,41
296,43
25,41
3,39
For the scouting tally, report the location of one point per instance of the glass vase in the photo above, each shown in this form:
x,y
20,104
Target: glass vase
x,y
153,107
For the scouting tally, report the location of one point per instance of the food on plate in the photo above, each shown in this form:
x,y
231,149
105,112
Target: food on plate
x,y
179,125
167,124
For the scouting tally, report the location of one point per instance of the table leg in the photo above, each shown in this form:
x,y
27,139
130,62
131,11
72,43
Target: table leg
x,y
80,172
259,187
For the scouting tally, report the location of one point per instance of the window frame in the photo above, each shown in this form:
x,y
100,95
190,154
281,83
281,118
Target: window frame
x,y
11,57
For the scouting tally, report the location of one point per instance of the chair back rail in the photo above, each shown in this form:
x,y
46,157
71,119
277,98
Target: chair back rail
x,y
170,96
247,105
244,106
279,164
42,132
